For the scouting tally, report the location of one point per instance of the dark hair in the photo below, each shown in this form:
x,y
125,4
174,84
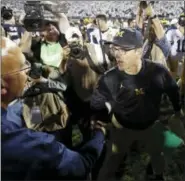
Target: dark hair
x,y
129,21
62,38
102,17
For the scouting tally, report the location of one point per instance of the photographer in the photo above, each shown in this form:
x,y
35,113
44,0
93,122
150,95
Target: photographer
x,y
32,155
11,29
81,78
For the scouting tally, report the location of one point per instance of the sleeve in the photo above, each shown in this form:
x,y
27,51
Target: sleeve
x,y
169,37
100,96
164,45
101,102
42,147
171,89
139,29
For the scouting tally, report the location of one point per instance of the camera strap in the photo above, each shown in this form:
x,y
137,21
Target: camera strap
x,y
98,69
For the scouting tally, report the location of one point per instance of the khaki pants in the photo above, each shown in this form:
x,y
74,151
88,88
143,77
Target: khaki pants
x,y
119,144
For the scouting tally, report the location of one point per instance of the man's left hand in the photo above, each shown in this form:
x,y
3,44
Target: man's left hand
x,y
176,124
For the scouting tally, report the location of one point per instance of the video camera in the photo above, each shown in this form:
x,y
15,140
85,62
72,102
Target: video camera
x,y
6,13
34,18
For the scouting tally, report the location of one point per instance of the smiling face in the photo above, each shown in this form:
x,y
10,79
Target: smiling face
x,y
14,68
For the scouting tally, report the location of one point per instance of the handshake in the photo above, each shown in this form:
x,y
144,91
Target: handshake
x,y
99,125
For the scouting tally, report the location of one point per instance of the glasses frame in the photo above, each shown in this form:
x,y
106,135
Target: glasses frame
x,y
27,64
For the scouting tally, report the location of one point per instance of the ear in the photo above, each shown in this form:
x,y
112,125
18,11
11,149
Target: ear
x,y
3,87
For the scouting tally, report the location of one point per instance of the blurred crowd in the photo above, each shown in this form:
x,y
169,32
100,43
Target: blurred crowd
x,y
168,9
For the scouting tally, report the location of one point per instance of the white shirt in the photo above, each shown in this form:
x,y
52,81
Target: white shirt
x,y
173,36
108,35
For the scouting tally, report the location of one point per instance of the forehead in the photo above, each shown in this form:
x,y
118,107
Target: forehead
x,y
11,56
99,19
50,25
6,46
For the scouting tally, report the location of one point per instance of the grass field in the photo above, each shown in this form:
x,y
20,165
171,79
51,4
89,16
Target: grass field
x,y
136,163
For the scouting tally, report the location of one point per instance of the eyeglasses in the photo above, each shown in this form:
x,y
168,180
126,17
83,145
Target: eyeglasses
x,y
25,67
116,50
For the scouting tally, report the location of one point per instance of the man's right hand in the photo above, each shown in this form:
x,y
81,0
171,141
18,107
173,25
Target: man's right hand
x,y
99,125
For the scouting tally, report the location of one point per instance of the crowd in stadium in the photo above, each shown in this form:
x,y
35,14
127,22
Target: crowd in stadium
x,y
170,9
84,86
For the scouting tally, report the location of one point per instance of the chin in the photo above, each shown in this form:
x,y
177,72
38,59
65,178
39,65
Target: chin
x,y
120,67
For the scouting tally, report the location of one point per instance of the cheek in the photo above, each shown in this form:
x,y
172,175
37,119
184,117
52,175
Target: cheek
x,y
21,81
56,31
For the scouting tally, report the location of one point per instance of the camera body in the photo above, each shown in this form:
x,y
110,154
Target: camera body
x,y
6,13
182,20
76,50
34,18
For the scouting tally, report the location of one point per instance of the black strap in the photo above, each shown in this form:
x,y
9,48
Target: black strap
x,y
41,88
98,70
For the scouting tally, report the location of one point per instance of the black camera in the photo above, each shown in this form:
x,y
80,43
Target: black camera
x,y
34,18
182,20
6,13
76,50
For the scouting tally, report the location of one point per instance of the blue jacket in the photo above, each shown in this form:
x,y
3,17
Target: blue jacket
x,y
30,155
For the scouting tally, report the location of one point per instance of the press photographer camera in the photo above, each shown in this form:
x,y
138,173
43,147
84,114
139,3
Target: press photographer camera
x,y
182,20
76,50
34,18
6,13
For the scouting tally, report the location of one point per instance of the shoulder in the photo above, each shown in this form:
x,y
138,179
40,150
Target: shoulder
x,y
109,75
110,72
156,68
26,143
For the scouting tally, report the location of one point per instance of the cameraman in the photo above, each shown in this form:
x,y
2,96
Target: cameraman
x,y
49,49
11,29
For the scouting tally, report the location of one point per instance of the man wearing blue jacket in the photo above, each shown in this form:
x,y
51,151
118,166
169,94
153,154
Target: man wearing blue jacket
x,y
30,155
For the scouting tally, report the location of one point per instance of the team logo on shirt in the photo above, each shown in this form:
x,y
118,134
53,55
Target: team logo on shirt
x,y
139,91
120,33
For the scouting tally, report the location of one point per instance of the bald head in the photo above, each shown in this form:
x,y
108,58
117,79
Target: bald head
x,y
11,56
13,74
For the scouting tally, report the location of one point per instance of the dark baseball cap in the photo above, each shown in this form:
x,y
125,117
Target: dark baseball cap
x,y
128,39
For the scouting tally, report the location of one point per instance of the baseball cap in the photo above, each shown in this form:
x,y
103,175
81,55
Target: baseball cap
x,y
128,39
174,21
